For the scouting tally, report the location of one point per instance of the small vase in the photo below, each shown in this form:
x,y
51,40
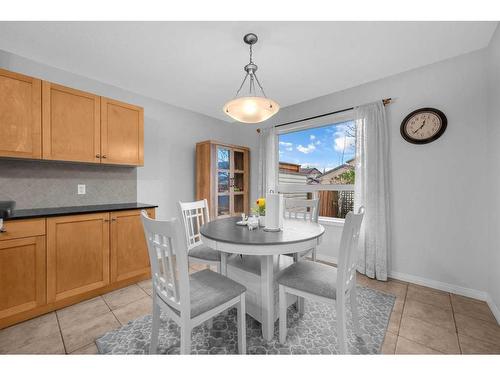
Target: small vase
x,y
262,221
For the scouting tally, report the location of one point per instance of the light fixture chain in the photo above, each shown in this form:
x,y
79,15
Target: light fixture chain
x,y
261,88
252,84
241,86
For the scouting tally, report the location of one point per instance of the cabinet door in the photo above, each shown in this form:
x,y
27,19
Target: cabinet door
x,y
20,116
223,181
239,185
122,133
129,252
77,255
22,275
71,124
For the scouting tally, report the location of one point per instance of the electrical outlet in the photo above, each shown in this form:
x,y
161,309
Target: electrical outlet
x,y
81,189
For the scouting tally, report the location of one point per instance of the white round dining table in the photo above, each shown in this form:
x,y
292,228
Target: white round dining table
x,y
228,238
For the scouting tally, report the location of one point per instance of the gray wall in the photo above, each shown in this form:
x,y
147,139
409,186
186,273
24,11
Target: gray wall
x,y
493,171
35,184
168,174
439,201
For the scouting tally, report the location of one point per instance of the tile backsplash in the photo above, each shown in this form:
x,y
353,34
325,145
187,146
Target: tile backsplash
x,y
36,184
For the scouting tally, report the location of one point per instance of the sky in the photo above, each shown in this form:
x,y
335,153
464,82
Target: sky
x,y
325,147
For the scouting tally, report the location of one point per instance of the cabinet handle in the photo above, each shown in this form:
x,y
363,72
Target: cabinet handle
x,y
113,219
106,220
98,156
104,156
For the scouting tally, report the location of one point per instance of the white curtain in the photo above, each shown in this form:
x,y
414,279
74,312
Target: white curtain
x,y
268,153
372,189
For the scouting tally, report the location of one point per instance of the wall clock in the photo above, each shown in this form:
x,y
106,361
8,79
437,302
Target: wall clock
x,y
423,126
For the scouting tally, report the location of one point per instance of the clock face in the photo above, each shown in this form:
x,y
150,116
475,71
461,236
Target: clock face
x,y
423,125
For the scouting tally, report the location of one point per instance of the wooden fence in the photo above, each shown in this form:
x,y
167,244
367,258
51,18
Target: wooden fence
x,y
335,203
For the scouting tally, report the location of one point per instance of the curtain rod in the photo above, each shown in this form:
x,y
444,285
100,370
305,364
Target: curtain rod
x,y
384,101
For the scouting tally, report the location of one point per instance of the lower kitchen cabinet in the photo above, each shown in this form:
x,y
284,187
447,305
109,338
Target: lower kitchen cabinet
x,y
49,263
77,255
129,252
22,275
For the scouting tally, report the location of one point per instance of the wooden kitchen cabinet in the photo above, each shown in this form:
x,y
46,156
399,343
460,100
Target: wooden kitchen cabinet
x,y
20,116
122,133
22,267
129,252
50,263
44,120
77,255
71,124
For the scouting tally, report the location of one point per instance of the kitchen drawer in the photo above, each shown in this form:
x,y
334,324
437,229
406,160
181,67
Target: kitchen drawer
x,y
22,228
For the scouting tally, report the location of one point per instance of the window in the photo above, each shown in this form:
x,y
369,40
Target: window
x,y
317,159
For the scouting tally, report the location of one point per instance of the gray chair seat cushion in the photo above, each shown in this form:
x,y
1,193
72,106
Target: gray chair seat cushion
x,y
209,289
311,277
204,252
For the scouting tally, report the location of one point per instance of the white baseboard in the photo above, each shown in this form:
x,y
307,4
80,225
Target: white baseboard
x,y
451,288
326,258
494,308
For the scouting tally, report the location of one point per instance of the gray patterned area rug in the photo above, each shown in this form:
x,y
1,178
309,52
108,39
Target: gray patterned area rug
x,y
312,333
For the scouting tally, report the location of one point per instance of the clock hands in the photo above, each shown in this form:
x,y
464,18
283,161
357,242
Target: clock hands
x,y
423,124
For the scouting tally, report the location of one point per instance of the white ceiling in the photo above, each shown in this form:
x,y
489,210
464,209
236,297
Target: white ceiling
x,y
199,65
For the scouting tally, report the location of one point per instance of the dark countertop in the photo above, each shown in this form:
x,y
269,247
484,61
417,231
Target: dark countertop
x,y
61,211
226,230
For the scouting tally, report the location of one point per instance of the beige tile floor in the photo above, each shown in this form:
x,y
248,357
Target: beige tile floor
x,y
423,321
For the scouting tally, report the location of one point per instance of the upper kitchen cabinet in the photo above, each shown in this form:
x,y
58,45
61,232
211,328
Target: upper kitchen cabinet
x,y
122,133
20,116
44,120
71,124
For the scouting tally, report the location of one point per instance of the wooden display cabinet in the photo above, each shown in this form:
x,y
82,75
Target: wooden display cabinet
x,y
222,177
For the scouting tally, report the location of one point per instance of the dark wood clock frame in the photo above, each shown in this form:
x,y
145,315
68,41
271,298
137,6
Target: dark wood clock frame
x,y
440,114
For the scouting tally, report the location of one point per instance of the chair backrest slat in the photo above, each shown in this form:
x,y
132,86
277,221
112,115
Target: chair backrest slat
x,y
306,209
346,268
194,215
169,263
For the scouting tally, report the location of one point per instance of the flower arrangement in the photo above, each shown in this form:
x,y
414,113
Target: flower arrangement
x,y
261,207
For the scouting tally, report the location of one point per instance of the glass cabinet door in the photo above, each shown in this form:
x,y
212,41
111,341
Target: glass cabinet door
x,y
223,158
230,184
224,181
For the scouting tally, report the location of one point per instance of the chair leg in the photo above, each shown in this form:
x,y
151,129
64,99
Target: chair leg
x,y
341,326
354,309
185,338
282,312
314,255
155,327
242,327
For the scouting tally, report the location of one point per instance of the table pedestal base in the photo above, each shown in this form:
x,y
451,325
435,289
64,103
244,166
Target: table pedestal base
x,y
258,274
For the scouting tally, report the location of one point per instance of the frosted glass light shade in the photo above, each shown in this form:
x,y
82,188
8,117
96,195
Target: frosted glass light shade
x,y
251,109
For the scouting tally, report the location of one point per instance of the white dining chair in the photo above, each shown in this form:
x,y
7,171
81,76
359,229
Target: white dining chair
x,y
327,284
189,300
194,215
302,209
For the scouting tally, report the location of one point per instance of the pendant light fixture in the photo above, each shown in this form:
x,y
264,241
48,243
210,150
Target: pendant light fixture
x,y
252,108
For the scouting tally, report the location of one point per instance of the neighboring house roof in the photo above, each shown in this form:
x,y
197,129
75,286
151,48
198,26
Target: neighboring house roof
x,y
337,171
289,167
309,171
